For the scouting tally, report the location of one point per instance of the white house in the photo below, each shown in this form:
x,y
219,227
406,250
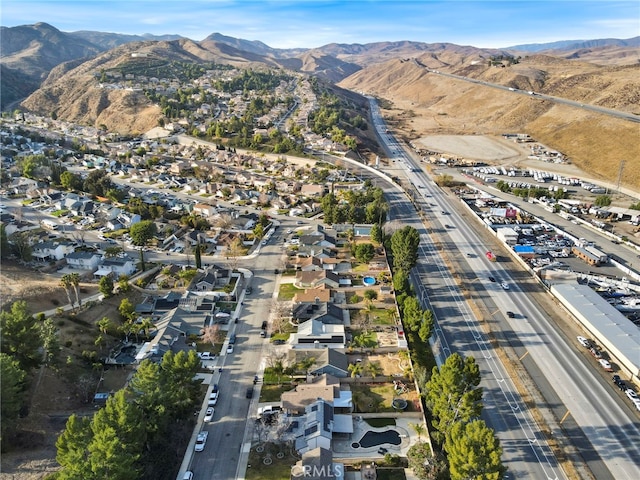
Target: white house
x,y
52,250
83,260
116,266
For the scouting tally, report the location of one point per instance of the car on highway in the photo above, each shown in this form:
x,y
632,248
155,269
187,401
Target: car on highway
x,y
510,314
249,393
491,279
504,285
201,441
584,342
229,348
208,416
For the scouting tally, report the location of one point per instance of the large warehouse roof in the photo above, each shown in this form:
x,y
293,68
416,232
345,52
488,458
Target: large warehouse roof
x,y
614,331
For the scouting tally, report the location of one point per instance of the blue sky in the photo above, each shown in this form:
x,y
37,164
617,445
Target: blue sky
x,y
313,23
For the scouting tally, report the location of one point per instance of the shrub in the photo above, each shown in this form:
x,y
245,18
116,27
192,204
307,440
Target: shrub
x,y
55,301
68,343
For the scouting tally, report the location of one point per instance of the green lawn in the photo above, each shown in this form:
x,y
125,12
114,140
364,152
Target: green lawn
x,y
369,340
288,291
390,474
380,422
275,468
373,398
271,393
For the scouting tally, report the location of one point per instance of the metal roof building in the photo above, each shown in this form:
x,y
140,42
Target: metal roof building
x,y
617,334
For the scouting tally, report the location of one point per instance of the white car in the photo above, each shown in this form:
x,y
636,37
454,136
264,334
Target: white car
x,y
209,414
504,286
583,341
605,364
631,394
201,441
230,349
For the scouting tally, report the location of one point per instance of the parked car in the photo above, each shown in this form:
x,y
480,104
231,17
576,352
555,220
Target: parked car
x,y
631,394
230,348
584,342
605,364
264,325
201,441
208,416
616,379
504,285
491,279
510,314
188,475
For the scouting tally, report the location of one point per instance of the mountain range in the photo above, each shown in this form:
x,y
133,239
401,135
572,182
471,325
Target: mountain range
x,y
45,70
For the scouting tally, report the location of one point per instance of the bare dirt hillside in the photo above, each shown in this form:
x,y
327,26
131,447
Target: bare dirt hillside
x,y
422,103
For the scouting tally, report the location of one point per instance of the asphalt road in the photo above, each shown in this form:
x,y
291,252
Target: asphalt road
x,y
232,424
599,422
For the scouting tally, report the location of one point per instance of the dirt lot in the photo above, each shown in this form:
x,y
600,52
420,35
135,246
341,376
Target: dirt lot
x,y
41,290
57,392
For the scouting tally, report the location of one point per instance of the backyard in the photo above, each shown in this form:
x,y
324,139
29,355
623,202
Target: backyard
x,y
271,462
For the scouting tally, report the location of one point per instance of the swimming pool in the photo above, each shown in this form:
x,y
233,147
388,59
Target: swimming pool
x,y
369,281
373,439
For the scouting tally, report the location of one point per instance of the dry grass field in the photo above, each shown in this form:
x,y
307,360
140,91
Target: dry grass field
x,y
420,104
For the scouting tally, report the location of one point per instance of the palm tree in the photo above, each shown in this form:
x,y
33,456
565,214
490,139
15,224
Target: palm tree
x,y
418,428
75,282
104,324
374,368
146,325
355,369
65,282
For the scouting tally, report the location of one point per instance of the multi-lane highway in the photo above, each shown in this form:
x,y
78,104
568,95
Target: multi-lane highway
x,y
600,425
539,96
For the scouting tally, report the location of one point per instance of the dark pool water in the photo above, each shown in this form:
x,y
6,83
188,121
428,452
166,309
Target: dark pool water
x,y
372,439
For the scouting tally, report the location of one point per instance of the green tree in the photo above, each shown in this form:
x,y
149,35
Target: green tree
x,y
377,234
401,281
72,449
70,181
20,335
126,309
141,233
404,248
603,200
364,252
4,242
105,286
474,452
426,328
370,295
374,369
108,457
412,314
12,377
426,464
50,341
452,393
123,283
198,256
22,245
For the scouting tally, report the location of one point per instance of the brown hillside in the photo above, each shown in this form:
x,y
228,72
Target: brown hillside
x,y
427,103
